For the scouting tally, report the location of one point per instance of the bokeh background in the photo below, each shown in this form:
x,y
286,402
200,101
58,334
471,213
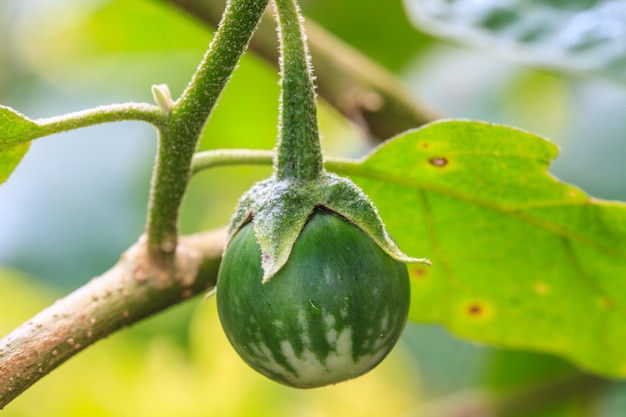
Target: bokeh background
x,y
78,200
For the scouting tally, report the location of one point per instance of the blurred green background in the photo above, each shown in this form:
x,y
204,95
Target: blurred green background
x,y
78,200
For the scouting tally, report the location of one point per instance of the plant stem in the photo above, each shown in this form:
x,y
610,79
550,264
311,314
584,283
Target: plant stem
x,y
232,157
103,114
133,289
299,155
178,140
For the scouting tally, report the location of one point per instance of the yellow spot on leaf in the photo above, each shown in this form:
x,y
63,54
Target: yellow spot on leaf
x,y
605,302
418,273
541,288
573,193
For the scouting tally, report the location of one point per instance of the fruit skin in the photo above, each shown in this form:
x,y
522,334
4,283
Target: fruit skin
x,y
332,313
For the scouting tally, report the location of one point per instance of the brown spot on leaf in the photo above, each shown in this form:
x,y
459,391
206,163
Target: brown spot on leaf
x,y
475,309
418,273
438,161
478,310
606,302
424,145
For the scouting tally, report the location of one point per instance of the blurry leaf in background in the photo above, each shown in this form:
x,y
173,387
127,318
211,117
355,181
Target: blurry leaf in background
x,y
509,369
121,44
9,159
380,29
521,260
509,372
26,298
583,116
573,35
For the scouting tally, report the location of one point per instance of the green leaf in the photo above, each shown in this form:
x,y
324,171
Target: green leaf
x,y
15,129
10,158
361,24
520,259
572,35
152,43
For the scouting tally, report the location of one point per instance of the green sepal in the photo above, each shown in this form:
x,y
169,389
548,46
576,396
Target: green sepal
x,y
279,209
345,198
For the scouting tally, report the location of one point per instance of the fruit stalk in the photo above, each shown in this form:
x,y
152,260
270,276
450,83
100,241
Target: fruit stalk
x,y
299,156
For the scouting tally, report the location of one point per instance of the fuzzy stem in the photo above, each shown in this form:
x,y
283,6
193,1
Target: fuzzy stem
x,y
85,118
103,114
236,157
230,157
299,155
178,140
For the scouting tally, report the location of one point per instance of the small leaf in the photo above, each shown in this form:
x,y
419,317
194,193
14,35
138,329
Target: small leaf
x,y
10,158
571,35
520,259
15,130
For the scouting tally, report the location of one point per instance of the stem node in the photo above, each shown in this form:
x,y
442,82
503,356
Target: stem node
x,y
163,98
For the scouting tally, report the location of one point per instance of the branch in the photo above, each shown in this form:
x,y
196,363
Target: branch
x,y
359,88
133,289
